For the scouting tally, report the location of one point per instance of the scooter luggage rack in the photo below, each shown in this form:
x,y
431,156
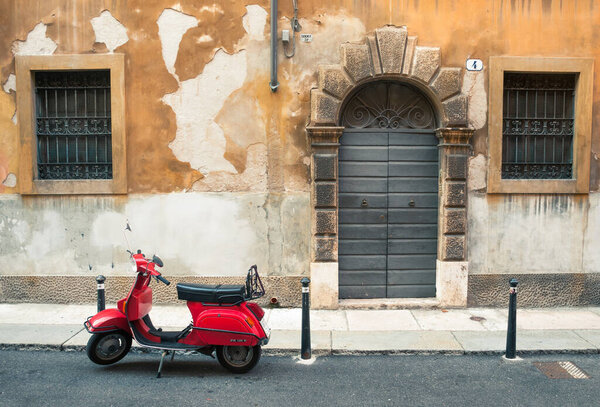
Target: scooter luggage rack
x,y
254,285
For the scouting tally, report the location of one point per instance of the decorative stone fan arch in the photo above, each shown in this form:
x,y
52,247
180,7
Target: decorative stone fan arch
x,y
389,56
389,53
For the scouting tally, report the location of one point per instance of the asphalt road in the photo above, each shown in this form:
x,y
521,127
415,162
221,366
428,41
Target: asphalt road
x,y
38,378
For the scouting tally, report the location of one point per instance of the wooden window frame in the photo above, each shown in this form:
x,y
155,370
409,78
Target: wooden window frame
x,y
582,132
28,183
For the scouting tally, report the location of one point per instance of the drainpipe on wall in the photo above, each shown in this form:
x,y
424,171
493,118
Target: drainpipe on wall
x,y
274,84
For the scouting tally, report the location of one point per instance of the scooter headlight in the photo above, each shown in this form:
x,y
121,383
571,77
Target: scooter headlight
x,y
133,264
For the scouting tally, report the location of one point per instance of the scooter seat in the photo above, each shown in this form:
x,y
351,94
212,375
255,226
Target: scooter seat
x,y
214,294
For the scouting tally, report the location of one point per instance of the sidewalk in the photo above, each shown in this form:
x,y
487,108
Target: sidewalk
x,y
457,331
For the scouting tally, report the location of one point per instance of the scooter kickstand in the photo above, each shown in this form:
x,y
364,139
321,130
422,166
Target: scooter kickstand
x,y
162,359
172,355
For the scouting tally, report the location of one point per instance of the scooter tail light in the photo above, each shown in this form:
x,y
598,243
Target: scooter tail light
x,y
258,312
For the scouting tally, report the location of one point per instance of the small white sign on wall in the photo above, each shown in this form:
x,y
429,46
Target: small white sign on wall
x,y
474,65
306,37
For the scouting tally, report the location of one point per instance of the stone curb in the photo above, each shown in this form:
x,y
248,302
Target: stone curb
x,y
323,352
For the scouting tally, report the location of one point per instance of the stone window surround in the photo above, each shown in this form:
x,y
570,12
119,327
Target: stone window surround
x,y
28,184
389,54
583,124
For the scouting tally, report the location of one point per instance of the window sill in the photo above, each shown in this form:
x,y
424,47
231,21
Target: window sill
x,y
70,187
538,186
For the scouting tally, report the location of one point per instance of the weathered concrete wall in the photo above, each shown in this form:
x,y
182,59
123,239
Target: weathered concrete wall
x,y
196,234
533,233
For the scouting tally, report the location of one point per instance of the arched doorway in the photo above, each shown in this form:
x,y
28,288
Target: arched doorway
x,y
388,193
389,54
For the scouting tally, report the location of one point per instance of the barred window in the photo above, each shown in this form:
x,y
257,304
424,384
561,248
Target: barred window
x,y
73,124
537,126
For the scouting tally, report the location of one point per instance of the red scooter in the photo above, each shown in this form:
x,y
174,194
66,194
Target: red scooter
x,y
222,321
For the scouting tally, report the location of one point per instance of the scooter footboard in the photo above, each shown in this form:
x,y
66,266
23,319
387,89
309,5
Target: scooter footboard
x,y
108,320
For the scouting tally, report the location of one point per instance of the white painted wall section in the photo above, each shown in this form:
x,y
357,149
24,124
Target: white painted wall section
x,y
254,22
109,31
172,25
10,84
36,43
199,140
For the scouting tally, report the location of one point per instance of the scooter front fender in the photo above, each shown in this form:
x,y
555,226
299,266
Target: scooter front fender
x,y
108,320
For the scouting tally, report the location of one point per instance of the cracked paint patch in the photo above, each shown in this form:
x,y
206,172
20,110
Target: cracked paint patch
x,y
172,25
199,140
36,43
109,31
10,84
254,22
10,180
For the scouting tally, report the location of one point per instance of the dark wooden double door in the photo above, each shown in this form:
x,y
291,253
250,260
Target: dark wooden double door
x,y
388,213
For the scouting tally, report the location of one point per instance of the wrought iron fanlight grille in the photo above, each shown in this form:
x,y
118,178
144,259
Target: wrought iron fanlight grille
x,y
73,124
388,105
537,127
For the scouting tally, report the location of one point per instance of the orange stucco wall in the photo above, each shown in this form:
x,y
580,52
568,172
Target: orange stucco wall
x,y
476,29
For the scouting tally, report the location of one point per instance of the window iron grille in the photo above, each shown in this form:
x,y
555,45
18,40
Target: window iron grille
x,y
537,126
73,124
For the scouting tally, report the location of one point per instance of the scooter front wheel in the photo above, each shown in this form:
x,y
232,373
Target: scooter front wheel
x,y
238,359
108,347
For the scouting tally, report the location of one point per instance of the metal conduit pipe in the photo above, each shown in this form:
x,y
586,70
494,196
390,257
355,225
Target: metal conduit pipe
x,y
274,84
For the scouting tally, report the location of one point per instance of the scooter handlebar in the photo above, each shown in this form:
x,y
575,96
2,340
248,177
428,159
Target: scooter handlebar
x,y
164,280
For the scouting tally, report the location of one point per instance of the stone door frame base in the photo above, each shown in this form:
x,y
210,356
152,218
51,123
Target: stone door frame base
x,y
451,289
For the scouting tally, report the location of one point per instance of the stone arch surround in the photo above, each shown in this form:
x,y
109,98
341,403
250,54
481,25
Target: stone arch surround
x,y
389,54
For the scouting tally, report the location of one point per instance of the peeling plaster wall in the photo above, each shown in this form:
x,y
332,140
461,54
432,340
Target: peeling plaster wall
x,y
207,139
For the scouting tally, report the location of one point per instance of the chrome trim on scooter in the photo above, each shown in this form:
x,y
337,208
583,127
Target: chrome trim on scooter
x,y
102,329
228,332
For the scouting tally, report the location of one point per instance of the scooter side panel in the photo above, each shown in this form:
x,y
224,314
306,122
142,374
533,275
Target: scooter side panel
x,y
110,319
226,327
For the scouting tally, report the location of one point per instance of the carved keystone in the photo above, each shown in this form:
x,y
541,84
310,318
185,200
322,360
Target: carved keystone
x,y
391,42
323,108
447,83
425,63
333,80
356,61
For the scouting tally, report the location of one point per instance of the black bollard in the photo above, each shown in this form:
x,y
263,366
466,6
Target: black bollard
x,y
511,333
305,352
100,285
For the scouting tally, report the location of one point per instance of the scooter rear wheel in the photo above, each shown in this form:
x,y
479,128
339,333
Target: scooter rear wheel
x,y
108,347
238,359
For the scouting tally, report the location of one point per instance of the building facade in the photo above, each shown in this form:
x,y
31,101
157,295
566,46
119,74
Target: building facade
x,y
398,153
